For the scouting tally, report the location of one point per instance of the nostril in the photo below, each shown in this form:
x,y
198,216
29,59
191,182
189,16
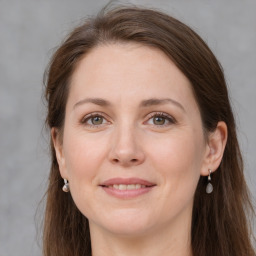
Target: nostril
x,y
134,160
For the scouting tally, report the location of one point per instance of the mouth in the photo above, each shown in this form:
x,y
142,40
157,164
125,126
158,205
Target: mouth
x,y
127,188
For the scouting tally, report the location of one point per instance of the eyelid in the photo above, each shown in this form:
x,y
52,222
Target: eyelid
x,y
170,118
91,115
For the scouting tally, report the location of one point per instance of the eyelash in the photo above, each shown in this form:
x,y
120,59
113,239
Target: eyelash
x,y
167,117
90,116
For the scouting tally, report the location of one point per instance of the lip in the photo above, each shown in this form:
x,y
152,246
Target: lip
x,y
127,181
107,186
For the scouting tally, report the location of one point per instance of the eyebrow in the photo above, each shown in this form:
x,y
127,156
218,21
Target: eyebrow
x,y
96,101
144,103
155,102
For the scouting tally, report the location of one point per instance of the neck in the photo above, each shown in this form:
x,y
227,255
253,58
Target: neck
x,y
175,241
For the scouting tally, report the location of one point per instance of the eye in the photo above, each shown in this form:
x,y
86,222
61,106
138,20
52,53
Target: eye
x,y
160,119
94,120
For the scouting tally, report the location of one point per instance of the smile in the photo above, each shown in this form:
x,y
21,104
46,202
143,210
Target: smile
x,y
127,188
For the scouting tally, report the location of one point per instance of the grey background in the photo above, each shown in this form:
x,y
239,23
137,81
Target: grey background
x,y
29,31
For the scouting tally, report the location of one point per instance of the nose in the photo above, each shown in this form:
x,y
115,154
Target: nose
x,y
125,148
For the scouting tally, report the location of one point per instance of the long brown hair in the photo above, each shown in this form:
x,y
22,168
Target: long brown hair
x,y
220,223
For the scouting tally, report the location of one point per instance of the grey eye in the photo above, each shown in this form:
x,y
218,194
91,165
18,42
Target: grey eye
x,y
158,120
97,120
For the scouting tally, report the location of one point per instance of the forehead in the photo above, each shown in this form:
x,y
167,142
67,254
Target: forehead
x,y
120,71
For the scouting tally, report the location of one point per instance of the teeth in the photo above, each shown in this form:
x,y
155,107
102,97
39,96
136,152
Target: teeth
x,y
137,186
122,187
131,186
127,187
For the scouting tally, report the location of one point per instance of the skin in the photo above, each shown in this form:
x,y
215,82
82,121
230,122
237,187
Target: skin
x,y
126,139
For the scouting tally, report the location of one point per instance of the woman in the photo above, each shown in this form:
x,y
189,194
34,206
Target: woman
x,y
143,143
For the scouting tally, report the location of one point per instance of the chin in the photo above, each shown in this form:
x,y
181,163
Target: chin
x,y
128,229
125,223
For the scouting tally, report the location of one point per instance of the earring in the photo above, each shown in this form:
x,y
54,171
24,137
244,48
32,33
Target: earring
x,y
65,188
209,187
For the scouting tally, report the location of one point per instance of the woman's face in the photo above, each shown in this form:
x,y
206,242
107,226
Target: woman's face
x,y
133,146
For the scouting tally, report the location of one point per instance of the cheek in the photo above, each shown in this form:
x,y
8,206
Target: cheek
x,y
83,157
179,161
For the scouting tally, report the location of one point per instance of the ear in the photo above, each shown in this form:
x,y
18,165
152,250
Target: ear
x,y
215,148
58,146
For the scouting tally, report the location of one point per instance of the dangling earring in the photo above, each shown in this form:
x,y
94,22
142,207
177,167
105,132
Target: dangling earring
x,y
209,187
65,188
